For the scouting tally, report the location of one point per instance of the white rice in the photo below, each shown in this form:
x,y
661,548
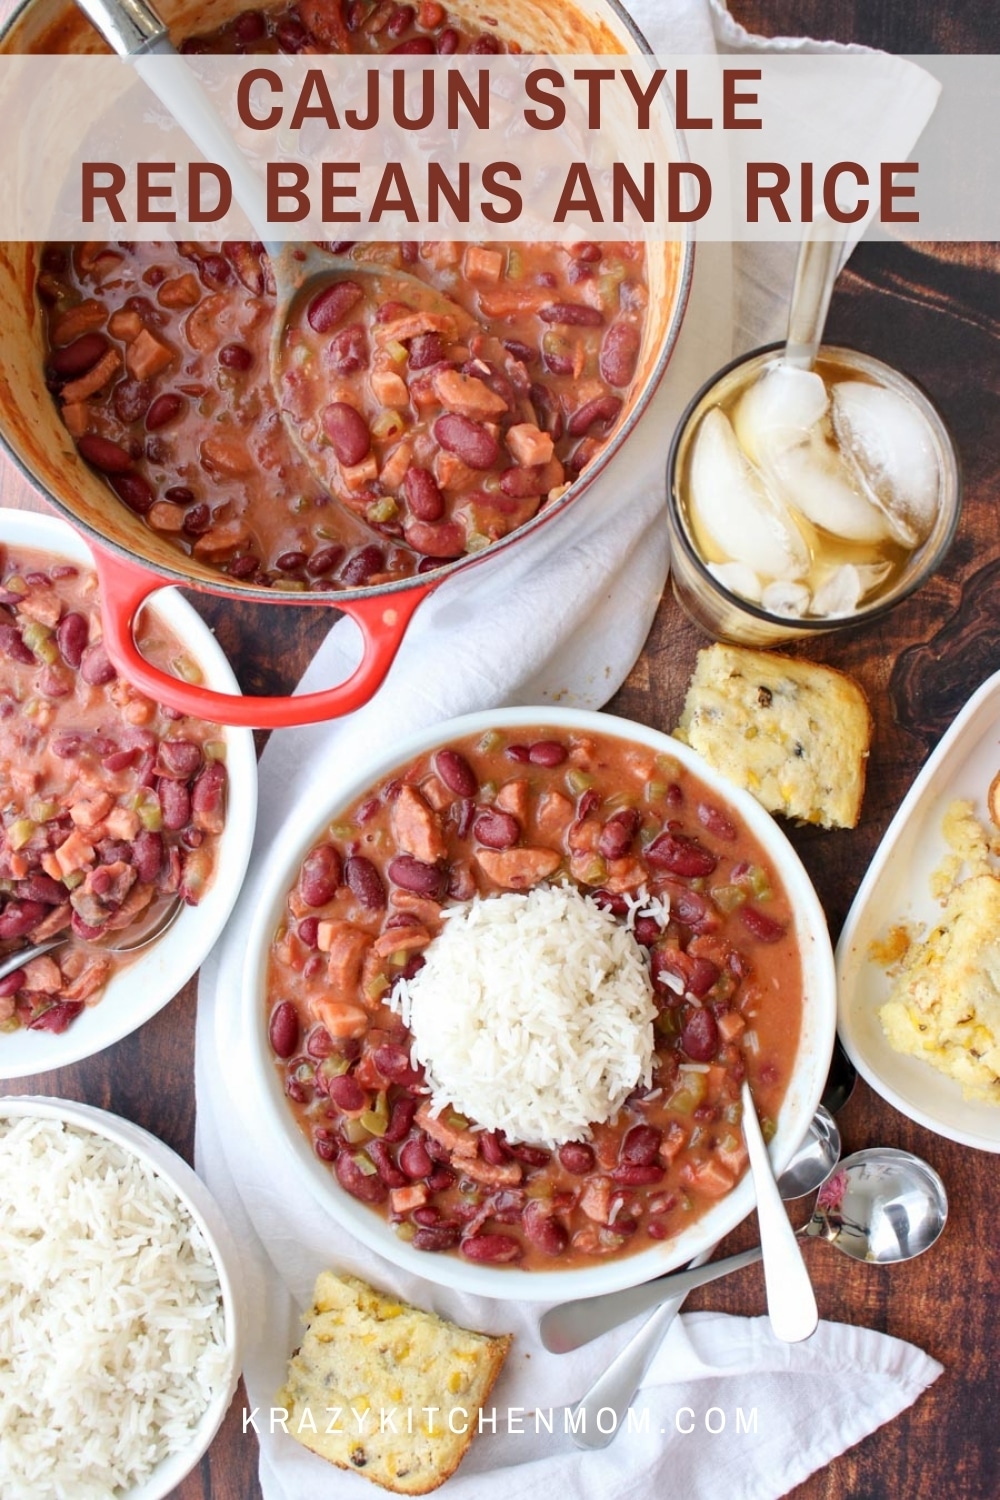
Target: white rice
x,y
112,1339
533,1013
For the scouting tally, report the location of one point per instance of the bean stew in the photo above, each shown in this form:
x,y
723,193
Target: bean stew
x,y
436,439
507,811
110,803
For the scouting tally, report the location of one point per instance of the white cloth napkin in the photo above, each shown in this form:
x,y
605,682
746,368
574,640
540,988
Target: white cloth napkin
x,y
561,618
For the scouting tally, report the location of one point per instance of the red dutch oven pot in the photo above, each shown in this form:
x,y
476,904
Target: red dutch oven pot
x,y
132,561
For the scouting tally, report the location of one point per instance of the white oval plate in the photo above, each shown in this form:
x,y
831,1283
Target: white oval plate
x,y
897,889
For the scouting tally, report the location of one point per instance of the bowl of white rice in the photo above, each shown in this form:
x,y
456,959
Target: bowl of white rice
x,y
121,1331
535,941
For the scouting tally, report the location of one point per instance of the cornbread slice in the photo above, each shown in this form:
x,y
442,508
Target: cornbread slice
x,y
384,1389
944,1005
794,734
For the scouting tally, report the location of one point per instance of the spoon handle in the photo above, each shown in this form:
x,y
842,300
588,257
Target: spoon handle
x,y
791,1303
815,273
613,1390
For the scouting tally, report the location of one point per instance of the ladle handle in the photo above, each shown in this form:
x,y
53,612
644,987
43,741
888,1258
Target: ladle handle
x,y
133,30
791,1302
381,618
815,273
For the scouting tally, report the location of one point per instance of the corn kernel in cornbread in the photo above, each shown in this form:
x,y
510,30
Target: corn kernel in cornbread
x,y
385,1365
944,1006
794,734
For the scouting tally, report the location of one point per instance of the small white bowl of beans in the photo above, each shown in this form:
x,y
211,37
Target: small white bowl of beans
x,y
116,808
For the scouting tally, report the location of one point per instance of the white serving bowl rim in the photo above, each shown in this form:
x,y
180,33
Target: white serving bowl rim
x,y
150,980
512,1283
207,1215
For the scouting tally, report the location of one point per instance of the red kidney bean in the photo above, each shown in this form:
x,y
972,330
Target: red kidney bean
x,y
198,520
417,45
163,410
64,745
12,645
362,565
700,1036
283,1029
704,974
368,1187
572,314
147,855
394,1062
235,357
442,1236
547,410
348,432
248,26
387,1169
95,668
543,1229
619,354
532,1156
400,1118
492,1249
641,1146
715,821
333,303
441,1178
426,349
646,931
414,1160
424,499
557,363
79,356
764,928
19,917
520,484
103,454
444,540
547,753
307,931
39,887
131,398
324,560
324,1141
179,759
400,20
618,832
484,45
11,983
447,42
577,1157
347,1093
497,830
321,875
586,250
414,875
492,1148
71,637
208,792
134,491
470,441
119,760
57,1017
365,882
681,855
347,351
693,909
633,1175
213,271
456,773
602,409
319,1042
290,562
175,802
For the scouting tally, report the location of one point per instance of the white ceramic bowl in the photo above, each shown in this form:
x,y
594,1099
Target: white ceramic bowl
x,y
205,1212
809,1075
156,974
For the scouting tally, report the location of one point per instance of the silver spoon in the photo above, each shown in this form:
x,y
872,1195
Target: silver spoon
x,y
133,30
139,935
816,270
791,1302
573,1324
815,1159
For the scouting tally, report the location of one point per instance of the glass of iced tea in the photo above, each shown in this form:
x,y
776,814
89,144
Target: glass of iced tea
x,y
802,501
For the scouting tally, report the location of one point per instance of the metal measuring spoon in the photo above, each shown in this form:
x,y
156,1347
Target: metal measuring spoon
x,y
572,1324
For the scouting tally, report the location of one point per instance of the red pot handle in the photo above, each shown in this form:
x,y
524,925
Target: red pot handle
x,y
382,619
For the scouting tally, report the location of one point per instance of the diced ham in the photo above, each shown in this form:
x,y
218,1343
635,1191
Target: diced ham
x,y
42,604
398,330
710,1177
179,291
76,418
222,541
226,453
595,1200
467,395
461,1142
389,389
553,815
584,835
518,869
85,317
125,324
506,1174
483,265
402,1200
357,475
402,940
416,828
625,874
42,975
73,854
79,390
427,912
88,813
513,798
146,356
92,977
346,946
529,445
393,471
341,1018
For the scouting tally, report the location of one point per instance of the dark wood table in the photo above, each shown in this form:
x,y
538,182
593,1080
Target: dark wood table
x,y
934,311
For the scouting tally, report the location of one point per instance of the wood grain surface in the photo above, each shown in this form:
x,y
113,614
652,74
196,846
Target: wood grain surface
x,y
934,311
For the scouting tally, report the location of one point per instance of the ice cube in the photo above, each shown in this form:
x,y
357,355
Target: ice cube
x,y
784,598
738,579
888,444
730,503
812,478
778,411
839,593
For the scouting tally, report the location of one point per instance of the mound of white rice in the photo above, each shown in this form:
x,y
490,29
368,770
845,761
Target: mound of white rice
x,y
112,1337
532,1014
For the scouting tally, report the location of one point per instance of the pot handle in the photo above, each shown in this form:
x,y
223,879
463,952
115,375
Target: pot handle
x,y
382,620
